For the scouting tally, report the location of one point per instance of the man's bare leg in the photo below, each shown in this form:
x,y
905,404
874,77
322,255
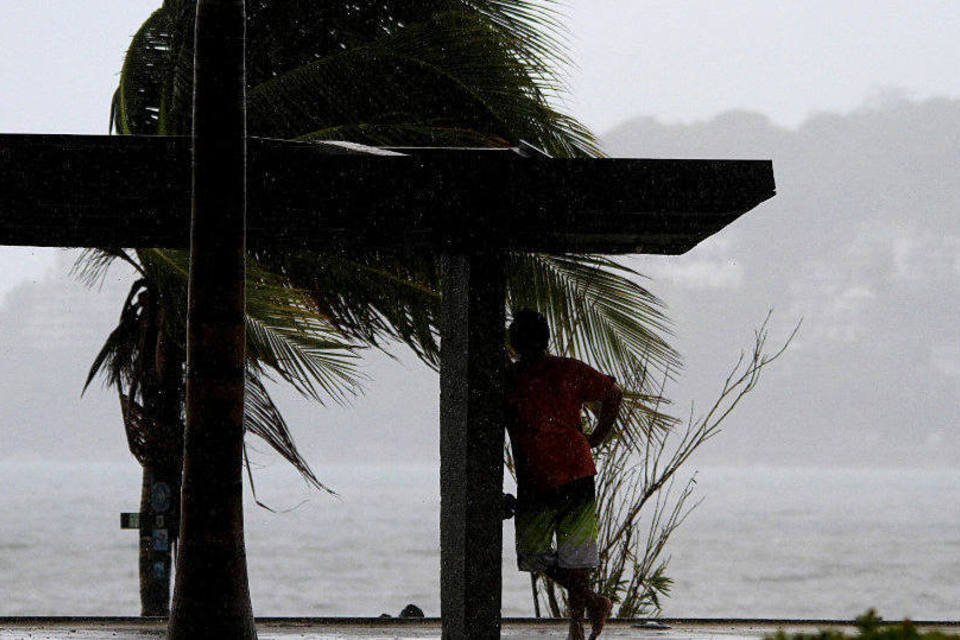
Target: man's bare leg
x,y
579,596
576,603
599,611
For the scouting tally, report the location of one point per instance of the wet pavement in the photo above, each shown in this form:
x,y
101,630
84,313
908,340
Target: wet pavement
x,y
377,629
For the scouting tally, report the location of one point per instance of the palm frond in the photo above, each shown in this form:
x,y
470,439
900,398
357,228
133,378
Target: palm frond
x,y
145,66
167,272
91,265
117,360
263,419
286,332
305,354
325,94
285,35
536,30
597,311
374,297
451,71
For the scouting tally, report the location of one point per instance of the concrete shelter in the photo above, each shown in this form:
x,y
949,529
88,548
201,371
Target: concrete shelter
x,y
467,206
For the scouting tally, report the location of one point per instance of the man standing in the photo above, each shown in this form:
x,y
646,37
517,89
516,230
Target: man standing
x,y
545,395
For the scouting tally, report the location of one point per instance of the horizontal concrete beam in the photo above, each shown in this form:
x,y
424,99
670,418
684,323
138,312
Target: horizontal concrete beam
x,y
130,191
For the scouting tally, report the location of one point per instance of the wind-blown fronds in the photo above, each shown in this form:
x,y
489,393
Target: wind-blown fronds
x,y
486,66
286,337
262,418
303,353
287,333
375,297
451,72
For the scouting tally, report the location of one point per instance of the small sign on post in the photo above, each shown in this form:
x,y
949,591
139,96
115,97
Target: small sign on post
x,y
135,521
161,540
160,497
129,520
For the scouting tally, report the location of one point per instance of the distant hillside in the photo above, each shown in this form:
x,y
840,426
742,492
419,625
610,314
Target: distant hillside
x,y
50,332
863,241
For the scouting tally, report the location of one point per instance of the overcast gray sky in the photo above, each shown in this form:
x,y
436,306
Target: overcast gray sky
x,y
677,61
680,65
692,59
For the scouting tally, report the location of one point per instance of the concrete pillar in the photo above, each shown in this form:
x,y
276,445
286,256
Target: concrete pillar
x,y
471,445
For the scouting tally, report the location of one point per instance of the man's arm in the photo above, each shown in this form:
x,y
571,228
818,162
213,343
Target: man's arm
x,y
607,416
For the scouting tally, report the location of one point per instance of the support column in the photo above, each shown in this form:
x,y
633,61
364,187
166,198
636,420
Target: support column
x,y
212,597
471,445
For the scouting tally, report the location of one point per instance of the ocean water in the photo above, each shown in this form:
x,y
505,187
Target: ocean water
x,y
764,543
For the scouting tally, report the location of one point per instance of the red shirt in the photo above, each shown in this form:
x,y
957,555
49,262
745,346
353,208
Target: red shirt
x,y
544,401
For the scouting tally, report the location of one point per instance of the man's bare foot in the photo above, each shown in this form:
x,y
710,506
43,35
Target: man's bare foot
x,y
598,610
576,630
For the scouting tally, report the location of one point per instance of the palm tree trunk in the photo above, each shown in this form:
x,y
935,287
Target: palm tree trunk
x,y
160,456
154,589
212,597
159,505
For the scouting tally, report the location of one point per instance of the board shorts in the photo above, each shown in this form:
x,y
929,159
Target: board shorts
x,y
568,512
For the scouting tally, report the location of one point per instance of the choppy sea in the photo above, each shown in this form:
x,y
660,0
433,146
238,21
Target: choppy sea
x,y
763,543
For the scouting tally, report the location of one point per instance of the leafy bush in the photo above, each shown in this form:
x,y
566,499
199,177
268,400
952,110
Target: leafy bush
x,y
870,626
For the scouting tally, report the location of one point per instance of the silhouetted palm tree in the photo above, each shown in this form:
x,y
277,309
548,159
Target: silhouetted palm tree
x,y
144,359
384,72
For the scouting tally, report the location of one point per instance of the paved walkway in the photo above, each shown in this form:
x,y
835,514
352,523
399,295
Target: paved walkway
x,y
314,629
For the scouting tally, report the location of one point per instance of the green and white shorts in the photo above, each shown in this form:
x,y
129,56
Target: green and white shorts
x,y
569,513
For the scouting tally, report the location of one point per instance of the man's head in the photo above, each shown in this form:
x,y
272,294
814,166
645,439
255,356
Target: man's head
x,y
529,334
